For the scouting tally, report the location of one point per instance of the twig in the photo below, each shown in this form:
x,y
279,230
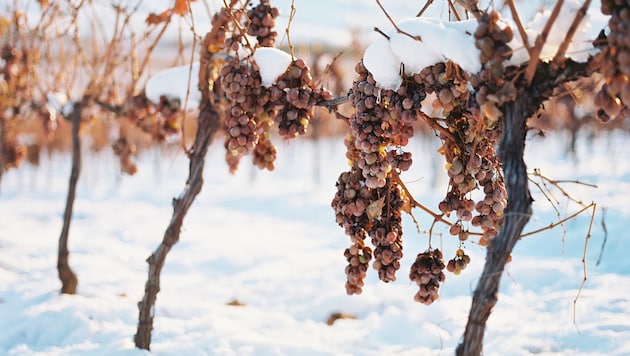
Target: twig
x,y
601,250
424,8
452,8
588,236
415,204
236,23
376,29
519,26
560,222
415,38
470,6
569,36
189,80
540,43
333,102
434,125
556,183
548,195
287,30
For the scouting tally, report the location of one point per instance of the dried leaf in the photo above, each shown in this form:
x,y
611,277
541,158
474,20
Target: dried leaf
x,y
182,7
43,3
375,209
154,19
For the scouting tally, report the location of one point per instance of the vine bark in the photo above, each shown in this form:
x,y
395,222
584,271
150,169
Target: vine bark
x,y
209,123
69,280
519,210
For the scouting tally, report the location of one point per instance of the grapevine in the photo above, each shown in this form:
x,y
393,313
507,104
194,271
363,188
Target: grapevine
x,y
614,96
252,108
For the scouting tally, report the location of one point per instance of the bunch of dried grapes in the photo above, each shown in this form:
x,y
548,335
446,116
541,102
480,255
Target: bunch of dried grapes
x,y
369,200
245,93
458,263
385,214
253,108
262,19
296,93
350,203
13,93
125,150
160,120
382,125
473,130
613,99
468,146
427,272
380,129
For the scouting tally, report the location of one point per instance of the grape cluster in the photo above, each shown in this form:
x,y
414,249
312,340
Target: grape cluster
x,y
458,263
490,210
14,69
386,231
613,99
382,124
295,92
264,155
350,203
125,150
358,256
221,24
248,101
369,200
449,84
262,19
427,272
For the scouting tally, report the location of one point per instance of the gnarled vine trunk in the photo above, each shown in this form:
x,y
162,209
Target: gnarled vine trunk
x,y
518,212
208,125
68,278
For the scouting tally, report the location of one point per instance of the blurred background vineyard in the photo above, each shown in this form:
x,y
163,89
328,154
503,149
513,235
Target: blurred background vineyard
x,y
55,53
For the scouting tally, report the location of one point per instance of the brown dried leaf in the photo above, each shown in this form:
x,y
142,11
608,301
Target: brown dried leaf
x,y
375,209
181,7
154,19
336,316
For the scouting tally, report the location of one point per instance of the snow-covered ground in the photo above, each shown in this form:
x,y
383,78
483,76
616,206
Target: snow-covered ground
x,y
269,240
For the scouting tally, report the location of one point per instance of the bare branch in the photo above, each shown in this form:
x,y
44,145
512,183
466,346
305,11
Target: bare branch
x,y
424,8
288,30
471,6
376,29
540,43
556,183
588,237
452,8
601,250
569,36
554,224
415,38
519,26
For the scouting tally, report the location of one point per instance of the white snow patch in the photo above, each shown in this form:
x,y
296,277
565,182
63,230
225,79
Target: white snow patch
x,y
272,62
173,83
443,40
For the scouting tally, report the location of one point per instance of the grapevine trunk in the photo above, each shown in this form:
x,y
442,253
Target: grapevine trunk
x,y
68,278
511,151
209,123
